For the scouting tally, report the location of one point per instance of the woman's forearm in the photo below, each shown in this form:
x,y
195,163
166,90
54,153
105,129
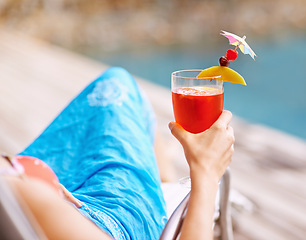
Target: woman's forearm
x,y
198,223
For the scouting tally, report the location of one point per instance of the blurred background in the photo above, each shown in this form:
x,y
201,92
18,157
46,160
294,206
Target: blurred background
x,y
152,38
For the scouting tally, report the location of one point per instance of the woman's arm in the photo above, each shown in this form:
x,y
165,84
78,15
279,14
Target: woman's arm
x,y
208,154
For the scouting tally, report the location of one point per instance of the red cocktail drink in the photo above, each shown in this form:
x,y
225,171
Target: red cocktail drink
x,y
196,109
197,103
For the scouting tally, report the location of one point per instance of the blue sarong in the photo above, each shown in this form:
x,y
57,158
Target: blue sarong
x,y
101,148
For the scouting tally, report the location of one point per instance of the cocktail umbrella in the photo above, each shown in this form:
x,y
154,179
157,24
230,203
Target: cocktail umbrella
x,y
239,42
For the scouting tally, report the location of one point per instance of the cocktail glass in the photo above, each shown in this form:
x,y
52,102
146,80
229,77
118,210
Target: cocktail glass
x,y
197,102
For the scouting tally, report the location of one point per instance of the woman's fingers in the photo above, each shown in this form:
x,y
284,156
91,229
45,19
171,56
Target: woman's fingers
x,y
224,119
230,131
69,197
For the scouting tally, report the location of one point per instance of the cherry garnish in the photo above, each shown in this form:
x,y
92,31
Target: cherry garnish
x,y
231,54
223,61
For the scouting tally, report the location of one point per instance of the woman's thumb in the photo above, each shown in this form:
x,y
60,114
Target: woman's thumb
x,y
177,131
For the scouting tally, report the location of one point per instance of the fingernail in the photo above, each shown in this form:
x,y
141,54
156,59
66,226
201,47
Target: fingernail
x,y
170,125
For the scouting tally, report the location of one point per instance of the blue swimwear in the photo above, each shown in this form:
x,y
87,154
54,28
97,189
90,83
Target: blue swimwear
x,y
101,148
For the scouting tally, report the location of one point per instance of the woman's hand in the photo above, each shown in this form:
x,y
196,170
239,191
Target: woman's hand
x,y
209,152
69,197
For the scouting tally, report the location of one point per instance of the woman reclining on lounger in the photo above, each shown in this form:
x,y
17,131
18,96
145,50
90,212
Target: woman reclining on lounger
x,y
101,148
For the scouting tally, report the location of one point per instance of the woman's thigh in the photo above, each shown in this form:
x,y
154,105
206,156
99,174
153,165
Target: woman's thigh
x,y
57,218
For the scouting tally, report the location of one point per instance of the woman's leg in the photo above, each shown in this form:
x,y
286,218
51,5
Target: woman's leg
x,y
57,219
164,161
101,148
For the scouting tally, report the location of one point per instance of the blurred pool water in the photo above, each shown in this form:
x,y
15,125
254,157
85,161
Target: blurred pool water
x,y
276,92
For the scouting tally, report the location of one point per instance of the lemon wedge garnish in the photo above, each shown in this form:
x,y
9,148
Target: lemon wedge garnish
x,y
226,74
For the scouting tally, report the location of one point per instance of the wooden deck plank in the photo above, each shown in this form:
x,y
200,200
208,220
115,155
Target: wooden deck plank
x,y
269,167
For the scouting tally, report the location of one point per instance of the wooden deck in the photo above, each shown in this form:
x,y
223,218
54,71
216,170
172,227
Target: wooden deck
x,y
269,167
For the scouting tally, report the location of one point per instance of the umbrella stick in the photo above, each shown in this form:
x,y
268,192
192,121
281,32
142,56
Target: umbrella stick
x,y
240,42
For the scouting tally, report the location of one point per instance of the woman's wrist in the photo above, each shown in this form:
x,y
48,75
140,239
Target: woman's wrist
x,y
199,176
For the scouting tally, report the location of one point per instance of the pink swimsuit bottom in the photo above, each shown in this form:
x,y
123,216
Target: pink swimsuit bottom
x,y
30,167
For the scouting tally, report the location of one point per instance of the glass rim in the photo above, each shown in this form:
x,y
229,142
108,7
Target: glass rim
x,y
194,70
